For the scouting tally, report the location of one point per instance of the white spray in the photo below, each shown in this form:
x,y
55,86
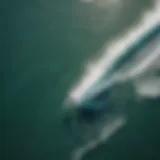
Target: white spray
x,y
113,51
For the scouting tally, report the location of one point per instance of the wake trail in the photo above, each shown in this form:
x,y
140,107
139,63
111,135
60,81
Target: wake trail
x,y
113,51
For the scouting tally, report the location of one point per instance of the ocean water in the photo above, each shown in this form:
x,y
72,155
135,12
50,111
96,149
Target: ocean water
x,y
47,44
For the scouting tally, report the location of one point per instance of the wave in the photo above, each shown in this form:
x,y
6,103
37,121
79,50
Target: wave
x,y
112,51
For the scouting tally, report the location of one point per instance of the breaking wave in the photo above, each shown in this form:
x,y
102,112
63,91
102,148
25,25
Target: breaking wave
x,y
114,50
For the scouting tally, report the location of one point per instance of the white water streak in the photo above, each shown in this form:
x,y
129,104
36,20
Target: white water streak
x,y
146,63
113,51
149,87
107,131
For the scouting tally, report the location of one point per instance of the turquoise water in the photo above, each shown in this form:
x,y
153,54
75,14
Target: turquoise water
x,y
47,45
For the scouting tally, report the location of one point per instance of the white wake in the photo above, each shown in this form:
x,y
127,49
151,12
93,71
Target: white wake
x,y
112,51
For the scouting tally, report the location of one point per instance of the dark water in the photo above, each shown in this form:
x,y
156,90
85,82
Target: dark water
x,y
46,43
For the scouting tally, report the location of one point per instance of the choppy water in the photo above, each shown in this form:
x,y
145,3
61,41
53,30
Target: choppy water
x,y
48,43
